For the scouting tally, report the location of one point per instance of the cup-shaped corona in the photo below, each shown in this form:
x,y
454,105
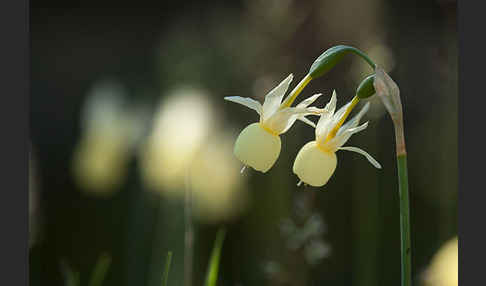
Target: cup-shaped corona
x,y
257,148
258,145
314,165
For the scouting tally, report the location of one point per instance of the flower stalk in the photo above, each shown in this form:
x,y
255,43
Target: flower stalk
x,y
405,244
389,94
295,92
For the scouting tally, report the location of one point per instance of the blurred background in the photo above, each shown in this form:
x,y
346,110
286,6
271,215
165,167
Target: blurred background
x,y
127,113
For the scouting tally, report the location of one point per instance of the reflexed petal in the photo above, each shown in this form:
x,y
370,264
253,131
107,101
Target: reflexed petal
x,y
283,119
331,105
344,136
274,98
301,117
290,122
355,120
309,101
364,153
323,124
315,111
307,121
246,101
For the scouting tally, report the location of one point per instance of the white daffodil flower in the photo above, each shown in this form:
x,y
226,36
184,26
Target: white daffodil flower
x,y
316,161
258,145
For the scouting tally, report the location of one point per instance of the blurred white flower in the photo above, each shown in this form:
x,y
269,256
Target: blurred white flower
x,y
258,145
316,161
184,151
182,123
110,130
216,185
99,163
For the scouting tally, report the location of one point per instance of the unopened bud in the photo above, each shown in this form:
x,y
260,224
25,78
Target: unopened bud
x,y
331,57
366,88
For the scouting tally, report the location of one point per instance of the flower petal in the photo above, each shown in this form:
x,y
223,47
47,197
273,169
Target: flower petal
x,y
339,114
307,121
309,101
301,117
344,136
283,119
274,98
246,101
364,153
355,120
323,124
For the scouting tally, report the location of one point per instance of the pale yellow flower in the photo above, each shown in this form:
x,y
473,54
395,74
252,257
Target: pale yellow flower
x,y
316,161
258,145
443,269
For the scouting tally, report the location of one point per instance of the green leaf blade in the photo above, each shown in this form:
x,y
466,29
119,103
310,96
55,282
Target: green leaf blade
x,y
213,267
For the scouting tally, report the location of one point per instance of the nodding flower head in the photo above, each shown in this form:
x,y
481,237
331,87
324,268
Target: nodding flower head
x,y
316,161
258,145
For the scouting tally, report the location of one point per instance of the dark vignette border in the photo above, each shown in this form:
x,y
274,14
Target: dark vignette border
x,y
471,157
14,88
14,117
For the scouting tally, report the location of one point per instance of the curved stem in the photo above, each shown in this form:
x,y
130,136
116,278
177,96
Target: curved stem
x,y
362,55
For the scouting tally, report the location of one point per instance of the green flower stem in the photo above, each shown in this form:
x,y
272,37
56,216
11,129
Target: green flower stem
x,y
389,93
362,55
404,220
405,244
327,60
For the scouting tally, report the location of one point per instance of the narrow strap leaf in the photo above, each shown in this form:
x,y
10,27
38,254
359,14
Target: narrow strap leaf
x,y
100,270
168,260
213,267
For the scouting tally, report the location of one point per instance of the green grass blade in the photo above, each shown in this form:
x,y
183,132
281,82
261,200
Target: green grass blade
x,y
99,272
213,267
168,260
